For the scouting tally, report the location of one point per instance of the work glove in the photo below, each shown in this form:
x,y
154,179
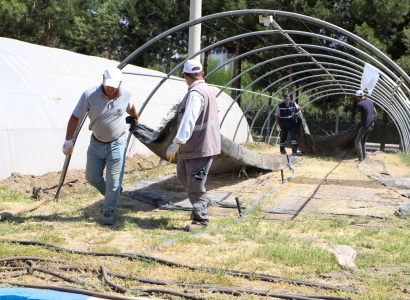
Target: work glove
x,y
172,151
133,122
278,128
68,147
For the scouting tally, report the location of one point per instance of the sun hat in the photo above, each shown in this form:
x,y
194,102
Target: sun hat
x,y
112,77
192,66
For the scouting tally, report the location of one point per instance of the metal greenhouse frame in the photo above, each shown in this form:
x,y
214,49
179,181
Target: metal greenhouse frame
x,y
341,77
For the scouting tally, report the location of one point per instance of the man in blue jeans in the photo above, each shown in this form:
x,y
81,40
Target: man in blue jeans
x,y
366,112
106,105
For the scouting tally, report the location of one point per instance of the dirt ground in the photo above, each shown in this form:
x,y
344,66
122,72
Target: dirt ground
x,y
45,186
242,185
316,185
317,190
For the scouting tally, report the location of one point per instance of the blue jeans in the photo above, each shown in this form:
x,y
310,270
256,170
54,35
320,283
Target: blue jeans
x,y
112,157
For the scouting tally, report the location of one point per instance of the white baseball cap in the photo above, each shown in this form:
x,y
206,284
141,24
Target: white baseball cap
x,y
192,66
359,93
112,77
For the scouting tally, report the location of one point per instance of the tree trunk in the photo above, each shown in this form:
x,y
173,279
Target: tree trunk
x,y
211,41
109,45
169,58
324,112
206,56
48,27
337,121
236,71
354,113
290,87
383,131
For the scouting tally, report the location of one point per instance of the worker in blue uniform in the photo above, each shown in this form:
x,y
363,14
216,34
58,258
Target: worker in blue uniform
x,y
286,122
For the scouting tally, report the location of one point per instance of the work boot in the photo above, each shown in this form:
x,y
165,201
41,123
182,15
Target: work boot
x,y
107,217
196,225
282,150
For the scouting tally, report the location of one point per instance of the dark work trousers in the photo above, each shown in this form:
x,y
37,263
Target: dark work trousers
x,y
287,126
360,141
186,170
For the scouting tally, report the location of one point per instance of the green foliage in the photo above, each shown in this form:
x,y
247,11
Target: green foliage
x,y
368,34
220,77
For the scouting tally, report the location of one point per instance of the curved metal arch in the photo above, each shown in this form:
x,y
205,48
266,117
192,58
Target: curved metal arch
x,y
307,92
294,55
293,16
253,122
399,127
266,32
380,98
398,96
318,82
339,93
291,55
250,130
302,79
285,77
377,94
404,142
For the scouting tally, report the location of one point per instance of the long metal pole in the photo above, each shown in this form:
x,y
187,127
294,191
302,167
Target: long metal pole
x,y
194,43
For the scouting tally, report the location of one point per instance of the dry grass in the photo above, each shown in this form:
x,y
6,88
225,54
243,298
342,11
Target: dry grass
x,y
284,245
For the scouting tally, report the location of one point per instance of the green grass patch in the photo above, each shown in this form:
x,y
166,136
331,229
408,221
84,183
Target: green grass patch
x,y
7,195
404,157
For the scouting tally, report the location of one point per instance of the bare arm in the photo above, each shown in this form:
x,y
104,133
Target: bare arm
x,y
374,110
71,126
133,112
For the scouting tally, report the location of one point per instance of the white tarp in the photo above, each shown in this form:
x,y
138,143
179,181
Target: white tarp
x,y
370,77
39,88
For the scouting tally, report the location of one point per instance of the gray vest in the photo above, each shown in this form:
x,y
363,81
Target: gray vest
x,y
206,137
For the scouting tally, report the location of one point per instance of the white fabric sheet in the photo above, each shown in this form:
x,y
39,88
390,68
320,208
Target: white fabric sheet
x,y
369,78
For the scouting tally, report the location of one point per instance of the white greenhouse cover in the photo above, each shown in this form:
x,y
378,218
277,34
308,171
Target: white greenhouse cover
x,y
39,88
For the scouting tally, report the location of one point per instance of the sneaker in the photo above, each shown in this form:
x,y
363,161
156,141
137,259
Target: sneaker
x,y
358,161
107,217
296,154
196,225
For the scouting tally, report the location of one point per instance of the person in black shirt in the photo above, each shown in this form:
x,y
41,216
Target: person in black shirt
x,y
366,112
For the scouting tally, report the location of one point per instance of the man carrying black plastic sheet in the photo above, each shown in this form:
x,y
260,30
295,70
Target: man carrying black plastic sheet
x,y
198,140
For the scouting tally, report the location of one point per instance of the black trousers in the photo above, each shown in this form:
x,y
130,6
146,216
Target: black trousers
x,y
285,129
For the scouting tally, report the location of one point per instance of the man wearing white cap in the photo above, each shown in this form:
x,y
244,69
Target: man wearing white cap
x,y
366,112
198,140
106,105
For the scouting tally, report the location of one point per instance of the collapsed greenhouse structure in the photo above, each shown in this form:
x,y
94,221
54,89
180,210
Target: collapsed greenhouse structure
x,y
40,86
